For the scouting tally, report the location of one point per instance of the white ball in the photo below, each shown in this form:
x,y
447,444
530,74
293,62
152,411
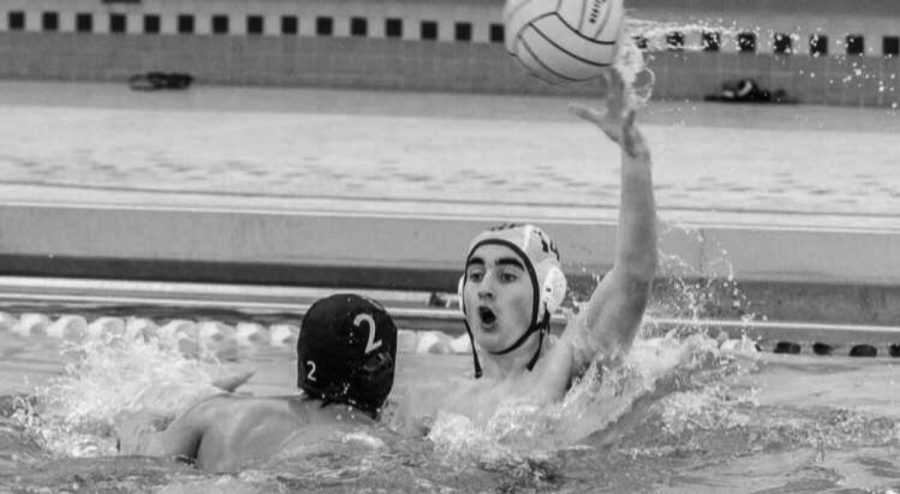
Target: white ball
x,y
31,324
69,327
181,334
179,329
406,341
218,338
7,322
214,333
283,335
562,41
106,327
744,346
140,327
461,344
251,334
433,342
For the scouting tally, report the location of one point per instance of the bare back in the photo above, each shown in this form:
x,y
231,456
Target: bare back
x,y
224,432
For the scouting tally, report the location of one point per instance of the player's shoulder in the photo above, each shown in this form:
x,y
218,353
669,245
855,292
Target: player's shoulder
x,y
212,405
220,404
235,408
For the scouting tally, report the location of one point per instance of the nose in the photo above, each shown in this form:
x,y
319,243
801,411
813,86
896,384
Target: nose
x,y
486,286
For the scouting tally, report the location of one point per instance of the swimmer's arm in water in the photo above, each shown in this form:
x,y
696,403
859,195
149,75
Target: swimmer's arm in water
x,y
181,440
132,427
609,323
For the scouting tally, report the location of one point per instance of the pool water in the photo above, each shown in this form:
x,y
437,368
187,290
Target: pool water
x,y
681,415
432,147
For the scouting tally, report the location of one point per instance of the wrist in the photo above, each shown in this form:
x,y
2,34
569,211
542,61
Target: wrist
x,y
633,144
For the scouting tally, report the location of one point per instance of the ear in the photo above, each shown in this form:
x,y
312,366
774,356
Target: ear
x,y
554,290
459,294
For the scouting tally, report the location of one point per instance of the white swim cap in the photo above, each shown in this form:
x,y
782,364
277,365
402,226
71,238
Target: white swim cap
x,y
541,259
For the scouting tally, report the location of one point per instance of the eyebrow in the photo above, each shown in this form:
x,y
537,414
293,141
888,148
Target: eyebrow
x,y
503,261
510,261
475,260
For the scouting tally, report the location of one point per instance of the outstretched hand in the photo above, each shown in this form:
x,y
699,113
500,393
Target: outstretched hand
x,y
617,122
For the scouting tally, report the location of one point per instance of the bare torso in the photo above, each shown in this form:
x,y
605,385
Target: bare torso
x,y
227,431
479,399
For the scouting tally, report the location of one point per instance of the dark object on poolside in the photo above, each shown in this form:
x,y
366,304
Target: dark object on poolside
x,y
152,81
748,91
863,351
822,349
894,350
438,300
787,347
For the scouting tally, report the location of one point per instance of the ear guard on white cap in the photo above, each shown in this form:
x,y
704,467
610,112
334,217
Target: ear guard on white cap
x,y
553,290
459,294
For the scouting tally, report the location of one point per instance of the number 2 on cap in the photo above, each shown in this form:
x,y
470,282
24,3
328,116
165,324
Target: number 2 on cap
x,y
372,344
312,370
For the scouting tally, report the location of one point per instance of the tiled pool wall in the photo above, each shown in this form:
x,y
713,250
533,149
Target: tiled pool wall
x,y
828,51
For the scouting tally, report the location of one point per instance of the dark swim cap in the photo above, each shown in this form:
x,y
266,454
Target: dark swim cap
x,y
346,352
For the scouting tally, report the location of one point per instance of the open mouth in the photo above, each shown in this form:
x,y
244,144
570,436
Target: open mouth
x,y
486,316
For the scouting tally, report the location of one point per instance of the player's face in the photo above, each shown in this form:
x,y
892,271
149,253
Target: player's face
x,y
498,296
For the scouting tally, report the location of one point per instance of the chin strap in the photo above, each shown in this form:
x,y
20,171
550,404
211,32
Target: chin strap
x,y
474,352
543,327
521,340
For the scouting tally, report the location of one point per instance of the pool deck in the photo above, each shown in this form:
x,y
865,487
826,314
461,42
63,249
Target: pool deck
x,y
288,183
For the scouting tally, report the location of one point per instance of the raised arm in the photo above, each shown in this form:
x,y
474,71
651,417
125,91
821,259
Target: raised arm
x,y
607,326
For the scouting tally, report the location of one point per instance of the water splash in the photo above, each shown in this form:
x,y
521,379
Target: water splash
x,y
645,37
699,292
632,68
640,38
525,436
112,380
651,34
